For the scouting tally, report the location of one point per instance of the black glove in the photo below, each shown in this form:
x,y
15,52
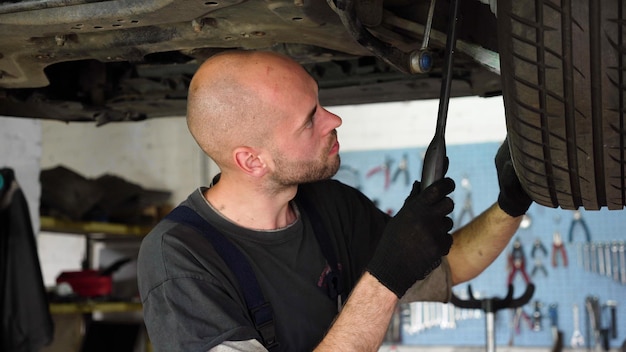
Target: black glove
x,y
414,240
512,199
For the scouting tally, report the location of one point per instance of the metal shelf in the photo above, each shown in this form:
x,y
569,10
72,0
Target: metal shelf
x,y
92,306
51,224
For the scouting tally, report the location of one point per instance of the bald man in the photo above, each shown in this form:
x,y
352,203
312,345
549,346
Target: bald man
x,y
257,115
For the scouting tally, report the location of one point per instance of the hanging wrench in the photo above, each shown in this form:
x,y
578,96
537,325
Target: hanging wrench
x,y
577,337
586,255
592,305
615,260
622,262
593,257
601,262
607,259
417,317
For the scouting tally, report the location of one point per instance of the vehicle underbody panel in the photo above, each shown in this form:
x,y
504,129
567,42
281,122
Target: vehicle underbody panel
x,y
127,60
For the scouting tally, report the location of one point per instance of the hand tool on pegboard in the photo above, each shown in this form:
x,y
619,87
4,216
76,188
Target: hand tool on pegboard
x,y
622,261
594,321
578,219
435,160
615,258
518,316
558,250
403,169
612,306
467,210
516,262
601,262
597,325
593,257
538,247
537,316
557,335
385,168
577,340
606,247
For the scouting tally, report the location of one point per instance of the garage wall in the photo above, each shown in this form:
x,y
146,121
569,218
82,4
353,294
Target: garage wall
x,y
558,286
412,124
20,150
161,153
156,154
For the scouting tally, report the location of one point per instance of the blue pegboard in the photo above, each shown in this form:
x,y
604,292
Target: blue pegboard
x,y
563,286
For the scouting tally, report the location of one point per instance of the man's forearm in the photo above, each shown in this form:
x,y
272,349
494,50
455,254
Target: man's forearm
x,y
478,244
364,319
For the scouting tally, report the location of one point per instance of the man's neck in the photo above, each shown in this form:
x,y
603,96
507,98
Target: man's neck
x,y
252,208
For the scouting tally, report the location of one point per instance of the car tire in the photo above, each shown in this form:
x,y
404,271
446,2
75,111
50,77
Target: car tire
x,y
564,86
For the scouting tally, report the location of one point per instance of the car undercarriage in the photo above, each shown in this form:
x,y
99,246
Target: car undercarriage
x,y
558,65
132,60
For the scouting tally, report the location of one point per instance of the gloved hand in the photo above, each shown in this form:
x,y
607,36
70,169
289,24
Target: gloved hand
x,y
512,199
414,240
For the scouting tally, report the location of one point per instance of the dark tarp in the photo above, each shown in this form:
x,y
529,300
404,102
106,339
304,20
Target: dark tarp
x,y
26,321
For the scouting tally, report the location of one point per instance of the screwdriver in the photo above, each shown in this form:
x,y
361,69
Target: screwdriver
x,y
435,161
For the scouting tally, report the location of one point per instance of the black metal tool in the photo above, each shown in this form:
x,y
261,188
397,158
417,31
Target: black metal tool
x,y
491,305
612,305
435,159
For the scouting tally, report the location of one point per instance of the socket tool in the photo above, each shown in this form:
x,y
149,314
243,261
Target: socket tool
x,y
435,159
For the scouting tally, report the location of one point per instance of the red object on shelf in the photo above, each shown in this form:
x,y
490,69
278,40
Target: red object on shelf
x,y
87,283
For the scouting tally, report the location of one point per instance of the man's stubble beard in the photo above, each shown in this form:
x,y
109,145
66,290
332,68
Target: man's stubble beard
x,y
295,173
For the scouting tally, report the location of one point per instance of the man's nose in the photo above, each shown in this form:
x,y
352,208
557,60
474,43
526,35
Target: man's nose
x,y
333,120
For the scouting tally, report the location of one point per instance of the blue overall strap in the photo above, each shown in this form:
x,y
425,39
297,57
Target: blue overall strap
x,y
259,308
333,280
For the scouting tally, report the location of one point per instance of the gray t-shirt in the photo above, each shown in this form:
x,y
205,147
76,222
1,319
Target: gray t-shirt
x,y
192,301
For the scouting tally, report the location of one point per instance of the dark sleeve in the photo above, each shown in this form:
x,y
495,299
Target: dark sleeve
x,y
190,301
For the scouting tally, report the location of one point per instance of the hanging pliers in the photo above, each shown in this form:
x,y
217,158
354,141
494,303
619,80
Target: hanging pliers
x,y
557,247
578,219
403,168
538,246
384,168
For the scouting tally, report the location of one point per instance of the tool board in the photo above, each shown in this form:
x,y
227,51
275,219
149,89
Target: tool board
x,y
380,175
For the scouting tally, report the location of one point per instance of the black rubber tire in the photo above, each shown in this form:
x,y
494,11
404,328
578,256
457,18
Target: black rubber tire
x,y
563,77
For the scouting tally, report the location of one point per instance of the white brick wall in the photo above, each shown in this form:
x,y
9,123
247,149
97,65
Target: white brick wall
x,y
20,150
157,154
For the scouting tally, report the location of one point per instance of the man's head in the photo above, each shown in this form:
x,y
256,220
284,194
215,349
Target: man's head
x,y
258,113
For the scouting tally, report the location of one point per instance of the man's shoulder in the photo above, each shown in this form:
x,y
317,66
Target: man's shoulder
x,y
167,231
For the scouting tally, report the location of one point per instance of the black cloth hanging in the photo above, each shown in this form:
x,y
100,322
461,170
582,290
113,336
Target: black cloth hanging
x,y
24,308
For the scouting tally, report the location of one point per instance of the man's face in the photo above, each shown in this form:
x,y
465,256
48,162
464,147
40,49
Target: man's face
x,y
320,166
305,146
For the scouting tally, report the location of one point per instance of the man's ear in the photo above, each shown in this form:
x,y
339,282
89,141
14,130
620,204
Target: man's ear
x,y
250,161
